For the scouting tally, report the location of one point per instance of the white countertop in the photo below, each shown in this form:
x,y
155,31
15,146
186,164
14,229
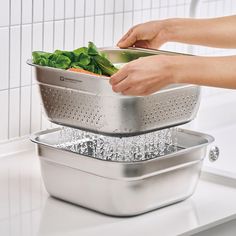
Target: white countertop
x,y
26,209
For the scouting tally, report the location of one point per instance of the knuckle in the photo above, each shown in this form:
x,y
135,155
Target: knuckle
x,y
125,93
112,80
115,89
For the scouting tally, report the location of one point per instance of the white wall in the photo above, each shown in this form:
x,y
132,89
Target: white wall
x,y
217,114
27,25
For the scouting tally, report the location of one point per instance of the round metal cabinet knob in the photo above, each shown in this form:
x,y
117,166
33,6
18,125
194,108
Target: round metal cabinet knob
x,y
214,153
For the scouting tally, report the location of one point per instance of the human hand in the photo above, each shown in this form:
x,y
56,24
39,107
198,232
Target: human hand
x,y
151,34
143,76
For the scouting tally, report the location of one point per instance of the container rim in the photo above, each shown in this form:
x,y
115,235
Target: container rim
x,y
209,139
106,78
171,87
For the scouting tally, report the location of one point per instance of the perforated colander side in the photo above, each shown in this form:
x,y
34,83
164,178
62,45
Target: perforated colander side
x,y
64,105
175,106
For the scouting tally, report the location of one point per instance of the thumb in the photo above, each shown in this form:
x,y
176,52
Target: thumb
x,y
128,40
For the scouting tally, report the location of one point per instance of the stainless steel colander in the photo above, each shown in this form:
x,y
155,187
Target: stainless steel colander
x,y
87,102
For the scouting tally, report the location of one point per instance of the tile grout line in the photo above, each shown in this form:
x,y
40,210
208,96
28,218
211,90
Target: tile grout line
x,y
9,70
89,15
31,69
104,23
53,34
64,25
84,22
74,26
94,19
43,45
20,87
113,23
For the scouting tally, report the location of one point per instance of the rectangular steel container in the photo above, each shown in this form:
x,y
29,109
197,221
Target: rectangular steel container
x,y
122,188
87,102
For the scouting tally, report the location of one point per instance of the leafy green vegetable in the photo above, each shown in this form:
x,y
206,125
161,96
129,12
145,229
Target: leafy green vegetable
x,y
78,51
41,58
76,65
59,61
106,66
68,54
86,58
92,49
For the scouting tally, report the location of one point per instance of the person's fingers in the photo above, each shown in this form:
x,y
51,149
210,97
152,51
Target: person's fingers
x,y
141,44
153,89
134,91
120,75
125,36
122,86
129,40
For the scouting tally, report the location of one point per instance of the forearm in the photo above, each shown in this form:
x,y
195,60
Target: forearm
x,y
207,71
216,32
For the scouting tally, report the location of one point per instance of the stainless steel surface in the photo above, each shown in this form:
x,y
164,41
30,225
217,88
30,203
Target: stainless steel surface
x,y
88,102
121,188
214,153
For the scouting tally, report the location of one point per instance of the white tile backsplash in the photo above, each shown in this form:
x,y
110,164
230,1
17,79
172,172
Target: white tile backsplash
x,y
119,6
27,11
127,21
80,8
48,36
4,13
59,34
37,37
14,113
4,58
71,24
38,10
108,38
69,9
99,7
146,15
25,111
89,29
99,30
147,4
15,57
89,7
128,5
155,14
4,115
48,9
79,32
59,9
15,12
138,4
26,54
35,119
118,25
137,17
156,3
69,34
